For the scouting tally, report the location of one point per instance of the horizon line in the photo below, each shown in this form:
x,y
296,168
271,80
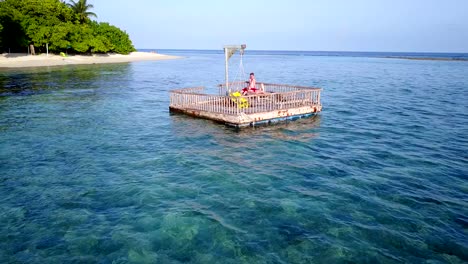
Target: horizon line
x,y
440,52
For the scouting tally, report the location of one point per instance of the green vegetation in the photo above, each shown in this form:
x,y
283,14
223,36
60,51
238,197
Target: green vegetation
x,y
65,27
81,8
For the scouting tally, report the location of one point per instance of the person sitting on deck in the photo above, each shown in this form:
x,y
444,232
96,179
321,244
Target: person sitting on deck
x,y
251,88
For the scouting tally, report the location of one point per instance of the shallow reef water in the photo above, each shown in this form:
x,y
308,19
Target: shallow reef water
x,y
94,168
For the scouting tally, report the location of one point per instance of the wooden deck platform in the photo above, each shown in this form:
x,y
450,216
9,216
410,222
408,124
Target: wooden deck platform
x,y
278,103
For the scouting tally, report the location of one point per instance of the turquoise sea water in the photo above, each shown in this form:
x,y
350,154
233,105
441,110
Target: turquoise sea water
x,y
94,168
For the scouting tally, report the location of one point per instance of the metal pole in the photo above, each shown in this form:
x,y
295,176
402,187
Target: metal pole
x,y
226,73
47,48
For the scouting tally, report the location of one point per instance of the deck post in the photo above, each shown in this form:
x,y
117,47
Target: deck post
x,y
226,71
229,50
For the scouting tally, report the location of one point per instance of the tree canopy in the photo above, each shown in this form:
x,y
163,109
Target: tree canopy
x,y
63,26
81,8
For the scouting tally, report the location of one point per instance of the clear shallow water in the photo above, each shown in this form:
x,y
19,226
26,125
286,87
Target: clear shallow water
x,y
94,169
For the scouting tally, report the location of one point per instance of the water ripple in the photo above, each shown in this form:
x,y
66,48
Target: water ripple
x,y
94,168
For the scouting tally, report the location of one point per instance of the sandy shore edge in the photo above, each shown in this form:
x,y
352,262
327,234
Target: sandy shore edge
x,y
22,60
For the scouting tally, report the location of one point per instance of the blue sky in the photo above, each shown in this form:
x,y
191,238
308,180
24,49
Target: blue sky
x,y
320,25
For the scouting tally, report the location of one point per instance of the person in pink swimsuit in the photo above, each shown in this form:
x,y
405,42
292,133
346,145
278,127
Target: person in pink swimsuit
x,y
251,87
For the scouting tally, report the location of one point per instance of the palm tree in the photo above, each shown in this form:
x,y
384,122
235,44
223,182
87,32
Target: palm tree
x,y
81,8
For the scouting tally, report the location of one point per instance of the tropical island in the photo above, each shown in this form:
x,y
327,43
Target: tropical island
x,y
61,32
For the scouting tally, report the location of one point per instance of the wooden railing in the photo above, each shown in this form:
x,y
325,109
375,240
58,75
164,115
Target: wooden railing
x,y
266,87
204,102
233,87
192,90
276,97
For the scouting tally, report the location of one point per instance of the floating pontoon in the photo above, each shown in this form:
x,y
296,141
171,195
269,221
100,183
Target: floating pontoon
x,y
278,102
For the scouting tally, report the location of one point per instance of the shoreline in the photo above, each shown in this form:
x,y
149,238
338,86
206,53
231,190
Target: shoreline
x,y
23,60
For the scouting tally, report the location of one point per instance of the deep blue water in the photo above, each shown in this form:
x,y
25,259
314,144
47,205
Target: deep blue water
x,y
94,169
413,55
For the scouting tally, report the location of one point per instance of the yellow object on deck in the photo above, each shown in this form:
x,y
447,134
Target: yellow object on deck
x,y
63,54
237,98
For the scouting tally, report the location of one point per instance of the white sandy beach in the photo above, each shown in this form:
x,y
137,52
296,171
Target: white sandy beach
x,y
20,60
